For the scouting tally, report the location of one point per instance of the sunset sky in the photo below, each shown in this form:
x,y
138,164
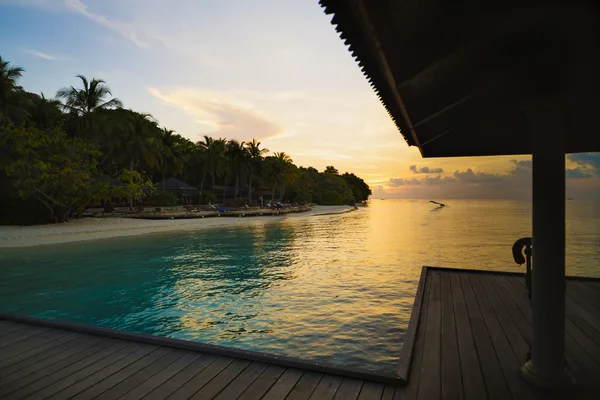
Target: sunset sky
x,y
274,70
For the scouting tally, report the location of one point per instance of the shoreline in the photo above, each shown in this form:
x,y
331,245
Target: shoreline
x,y
111,227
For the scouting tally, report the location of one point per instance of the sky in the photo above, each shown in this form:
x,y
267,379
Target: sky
x,y
274,70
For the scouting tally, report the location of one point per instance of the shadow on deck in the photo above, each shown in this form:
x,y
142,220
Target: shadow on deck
x,y
474,334
469,334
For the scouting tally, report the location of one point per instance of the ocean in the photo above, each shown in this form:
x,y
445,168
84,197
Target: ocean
x,y
334,288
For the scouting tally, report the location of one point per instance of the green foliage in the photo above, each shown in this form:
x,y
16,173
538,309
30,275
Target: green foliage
x,y
330,169
331,189
49,166
135,187
360,190
9,91
209,197
163,198
52,150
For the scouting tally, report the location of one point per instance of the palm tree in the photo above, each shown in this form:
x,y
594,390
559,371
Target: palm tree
x,y
278,167
285,163
171,157
238,160
200,166
256,158
214,151
9,76
135,138
84,103
45,113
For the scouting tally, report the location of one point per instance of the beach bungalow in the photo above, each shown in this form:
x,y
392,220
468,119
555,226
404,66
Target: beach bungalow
x,y
179,188
481,79
228,192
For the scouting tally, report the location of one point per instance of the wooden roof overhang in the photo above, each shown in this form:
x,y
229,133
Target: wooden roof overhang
x,y
457,78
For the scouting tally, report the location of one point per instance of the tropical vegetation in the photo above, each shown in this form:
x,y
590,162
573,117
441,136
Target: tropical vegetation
x,y
83,148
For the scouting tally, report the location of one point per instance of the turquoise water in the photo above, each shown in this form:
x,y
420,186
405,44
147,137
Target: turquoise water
x,y
335,288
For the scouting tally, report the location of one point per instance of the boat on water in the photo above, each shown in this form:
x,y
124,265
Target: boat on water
x,y
361,204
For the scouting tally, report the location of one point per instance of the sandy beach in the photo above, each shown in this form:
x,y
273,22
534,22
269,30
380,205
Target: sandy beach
x,y
99,228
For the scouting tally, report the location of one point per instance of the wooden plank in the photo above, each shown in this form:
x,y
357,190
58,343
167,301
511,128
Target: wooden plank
x,y
122,375
263,383
508,361
305,386
90,355
20,335
592,348
202,378
473,386
588,344
430,382
242,381
412,387
371,391
161,377
388,393
284,384
587,310
62,360
327,388
406,353
53,342
134,353
588,290
7,327
492,372
584,301
349,389
42,360
119,350
517,342
450,361
579,361
224,351
514,311
219,382
181,378
31,344
584,321
144,374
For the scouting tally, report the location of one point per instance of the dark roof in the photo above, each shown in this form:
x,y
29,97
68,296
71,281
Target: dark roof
x,y
175,185
230,189
456,77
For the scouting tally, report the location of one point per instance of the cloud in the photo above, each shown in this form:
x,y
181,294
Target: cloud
x,y
39,54
588,161
221,115
469,176
425,170
526,164
427,181
123,29
578,173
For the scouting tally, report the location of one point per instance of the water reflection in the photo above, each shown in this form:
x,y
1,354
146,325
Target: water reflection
x,y
337,288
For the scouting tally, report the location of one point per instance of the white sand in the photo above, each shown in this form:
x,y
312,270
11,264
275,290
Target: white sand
x,y
99,228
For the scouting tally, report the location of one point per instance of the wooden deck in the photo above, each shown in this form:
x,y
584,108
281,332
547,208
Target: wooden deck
x,y
474,334
469,335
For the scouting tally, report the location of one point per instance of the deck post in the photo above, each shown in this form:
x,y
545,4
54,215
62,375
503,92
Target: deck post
x,y
547,365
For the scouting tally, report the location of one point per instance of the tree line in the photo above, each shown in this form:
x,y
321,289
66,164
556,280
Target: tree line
x,y
60,155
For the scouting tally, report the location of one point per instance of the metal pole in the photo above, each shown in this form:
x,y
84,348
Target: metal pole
x,y
547,365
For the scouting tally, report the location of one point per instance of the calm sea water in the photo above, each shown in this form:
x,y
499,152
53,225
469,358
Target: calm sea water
x,y
335,288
